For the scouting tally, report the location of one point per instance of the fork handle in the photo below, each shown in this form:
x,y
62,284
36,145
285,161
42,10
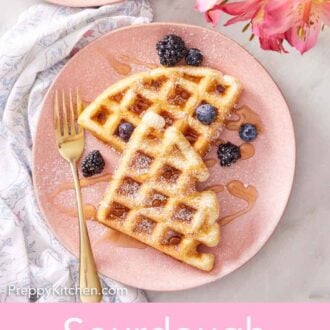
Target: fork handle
x,y
89,282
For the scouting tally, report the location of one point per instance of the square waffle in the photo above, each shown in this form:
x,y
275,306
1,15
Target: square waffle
x,y
152,196
173,93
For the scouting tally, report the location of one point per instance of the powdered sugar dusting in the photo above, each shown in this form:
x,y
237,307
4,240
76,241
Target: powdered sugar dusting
x,y
242,238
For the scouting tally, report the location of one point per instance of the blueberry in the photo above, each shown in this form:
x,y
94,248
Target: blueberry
x,y
194,57
206,113
125,131
248,132
228,153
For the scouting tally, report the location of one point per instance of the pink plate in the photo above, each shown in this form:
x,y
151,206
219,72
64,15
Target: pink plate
x,y
83,3
256,190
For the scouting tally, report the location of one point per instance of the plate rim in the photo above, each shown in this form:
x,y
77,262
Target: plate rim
x,y
261,243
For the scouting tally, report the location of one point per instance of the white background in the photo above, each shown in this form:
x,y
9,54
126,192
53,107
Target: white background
x,y
295,264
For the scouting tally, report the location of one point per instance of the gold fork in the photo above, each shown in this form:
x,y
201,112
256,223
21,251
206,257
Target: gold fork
x,y
70,144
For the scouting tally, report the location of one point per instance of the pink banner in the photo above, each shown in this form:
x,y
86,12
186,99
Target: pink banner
x,y
165,316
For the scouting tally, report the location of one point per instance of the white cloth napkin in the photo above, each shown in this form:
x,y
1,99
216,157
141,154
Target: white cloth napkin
x,y
31,54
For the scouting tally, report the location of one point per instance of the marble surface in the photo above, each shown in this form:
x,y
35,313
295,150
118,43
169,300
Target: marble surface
x,y
295,264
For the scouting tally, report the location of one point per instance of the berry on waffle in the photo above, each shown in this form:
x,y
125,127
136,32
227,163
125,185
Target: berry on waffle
x,y
174,93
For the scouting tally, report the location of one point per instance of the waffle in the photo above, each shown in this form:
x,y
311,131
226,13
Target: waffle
x,y
174,93
152,196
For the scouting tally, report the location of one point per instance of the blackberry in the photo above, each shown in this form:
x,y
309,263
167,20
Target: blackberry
x,y
248,132
228,154
171,50
92,164
194,57
125,131
206,113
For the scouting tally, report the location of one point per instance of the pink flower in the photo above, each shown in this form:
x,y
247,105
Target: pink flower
x,y
273,21
307,20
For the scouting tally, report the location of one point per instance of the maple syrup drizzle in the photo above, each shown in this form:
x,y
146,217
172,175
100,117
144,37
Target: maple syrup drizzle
x,y
88,209
114,237
247,193
245,115
117,239
217,142
120,67
134,60
83,183
191,138
216,188
237,189
210,162
122,63
247,150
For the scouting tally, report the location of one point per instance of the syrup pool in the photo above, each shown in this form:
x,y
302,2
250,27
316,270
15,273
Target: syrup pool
x,y
113,237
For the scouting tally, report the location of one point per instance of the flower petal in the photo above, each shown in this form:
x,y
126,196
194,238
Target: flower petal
x,y
274,43
205,5
279,16
243,10
212,16
246,7
306,40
